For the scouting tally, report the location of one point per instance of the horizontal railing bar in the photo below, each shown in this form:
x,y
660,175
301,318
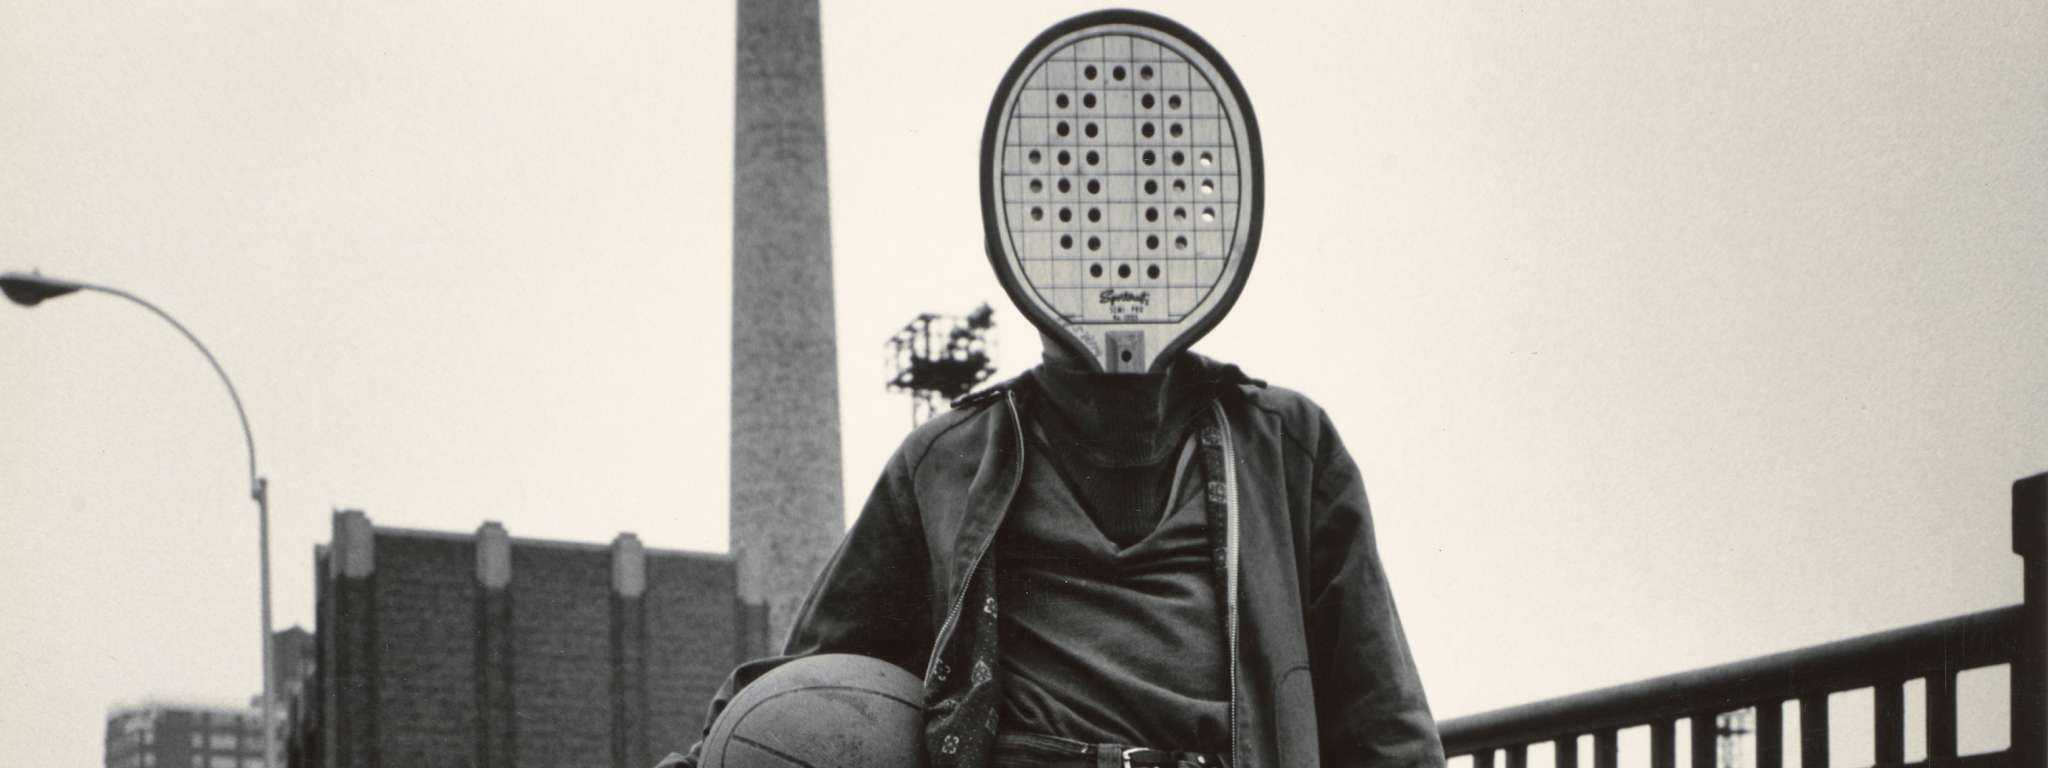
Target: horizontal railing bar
x,y
1962,642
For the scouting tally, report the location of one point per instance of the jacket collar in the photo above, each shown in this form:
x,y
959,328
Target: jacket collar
x,y
1201,368
999,472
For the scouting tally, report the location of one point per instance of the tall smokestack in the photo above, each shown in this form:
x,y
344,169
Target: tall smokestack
x,y
787,514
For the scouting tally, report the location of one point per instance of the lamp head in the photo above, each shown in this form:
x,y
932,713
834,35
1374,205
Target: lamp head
x,y
29,289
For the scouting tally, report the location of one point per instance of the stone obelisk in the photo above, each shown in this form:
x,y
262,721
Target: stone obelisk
x,y
786,508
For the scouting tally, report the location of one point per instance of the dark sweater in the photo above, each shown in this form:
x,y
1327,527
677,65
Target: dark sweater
x,y
1115,437
1108,644
1110,632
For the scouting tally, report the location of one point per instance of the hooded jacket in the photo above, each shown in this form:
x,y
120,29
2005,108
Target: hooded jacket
x,y
1321,671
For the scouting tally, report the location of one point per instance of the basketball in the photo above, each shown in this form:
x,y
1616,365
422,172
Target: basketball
x,y
831,711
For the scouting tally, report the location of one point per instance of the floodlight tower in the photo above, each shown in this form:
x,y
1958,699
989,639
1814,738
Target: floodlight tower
x,y
1729,730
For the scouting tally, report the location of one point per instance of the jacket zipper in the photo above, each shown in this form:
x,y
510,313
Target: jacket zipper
x,y
1230,571
953,617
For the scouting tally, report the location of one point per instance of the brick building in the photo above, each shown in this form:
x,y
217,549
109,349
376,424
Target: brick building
x,y
485,650
160,734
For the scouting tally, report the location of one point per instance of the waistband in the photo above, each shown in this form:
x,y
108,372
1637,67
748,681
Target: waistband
x,y
1031,750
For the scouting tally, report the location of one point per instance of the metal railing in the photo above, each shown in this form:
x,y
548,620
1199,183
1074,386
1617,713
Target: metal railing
x,y
1883,662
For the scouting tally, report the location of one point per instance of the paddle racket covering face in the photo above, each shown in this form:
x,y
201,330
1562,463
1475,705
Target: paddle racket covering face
x,y
1122,187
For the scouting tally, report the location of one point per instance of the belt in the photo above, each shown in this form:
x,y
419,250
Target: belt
x,y
1030,750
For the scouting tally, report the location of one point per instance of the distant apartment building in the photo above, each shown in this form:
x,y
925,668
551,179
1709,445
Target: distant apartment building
x,y
159,734
486,650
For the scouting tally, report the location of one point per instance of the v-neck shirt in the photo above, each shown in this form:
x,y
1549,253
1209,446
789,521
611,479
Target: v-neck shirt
x,y
1109,644
1113,436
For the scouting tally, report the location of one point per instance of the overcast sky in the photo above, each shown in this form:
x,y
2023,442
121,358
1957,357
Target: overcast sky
x,y
1665,335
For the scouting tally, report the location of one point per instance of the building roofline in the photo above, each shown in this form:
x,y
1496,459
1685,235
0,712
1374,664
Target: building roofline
x,y
421,533
155,702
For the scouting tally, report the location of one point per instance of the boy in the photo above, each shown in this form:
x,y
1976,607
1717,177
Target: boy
x,y
1125,557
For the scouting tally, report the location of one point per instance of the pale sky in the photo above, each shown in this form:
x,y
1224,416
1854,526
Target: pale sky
x,y
1665,335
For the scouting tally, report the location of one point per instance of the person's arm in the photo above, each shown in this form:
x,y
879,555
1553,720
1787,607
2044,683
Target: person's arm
x,y
872,599
1370,709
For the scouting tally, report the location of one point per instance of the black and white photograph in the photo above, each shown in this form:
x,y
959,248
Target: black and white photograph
x,y
808,384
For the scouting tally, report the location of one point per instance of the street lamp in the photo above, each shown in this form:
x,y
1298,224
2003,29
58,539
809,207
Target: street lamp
x,y
29,290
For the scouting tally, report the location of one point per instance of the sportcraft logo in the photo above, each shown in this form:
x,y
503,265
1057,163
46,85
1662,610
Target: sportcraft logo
x,y
1114,297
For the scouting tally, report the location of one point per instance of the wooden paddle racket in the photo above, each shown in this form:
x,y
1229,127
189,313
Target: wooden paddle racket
x,y
1122,187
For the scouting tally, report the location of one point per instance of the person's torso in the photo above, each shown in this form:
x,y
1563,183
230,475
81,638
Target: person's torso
x,y
1107,644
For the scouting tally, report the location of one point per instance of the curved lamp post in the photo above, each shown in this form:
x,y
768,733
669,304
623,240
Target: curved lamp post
x,y
29,290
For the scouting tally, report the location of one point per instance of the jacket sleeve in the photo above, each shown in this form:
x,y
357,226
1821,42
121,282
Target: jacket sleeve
x,y
872,599
1370,709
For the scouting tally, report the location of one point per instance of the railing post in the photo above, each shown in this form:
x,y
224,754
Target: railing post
x,y
1663,744
1567,750
1941,714
1704,739
1890,733
2029,671
1813,731
1606,749
1518,756
1770,734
